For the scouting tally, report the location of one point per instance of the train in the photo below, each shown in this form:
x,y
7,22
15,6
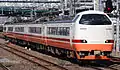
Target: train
x,y
88,36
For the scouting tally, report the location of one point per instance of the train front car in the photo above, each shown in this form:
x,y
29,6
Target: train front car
x,y
93,36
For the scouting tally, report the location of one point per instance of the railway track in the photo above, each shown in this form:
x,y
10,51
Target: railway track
x,y
114,65
4,67
115,60
103,66
37,60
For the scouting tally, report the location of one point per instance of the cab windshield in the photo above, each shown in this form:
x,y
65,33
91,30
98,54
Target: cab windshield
x,y
94,19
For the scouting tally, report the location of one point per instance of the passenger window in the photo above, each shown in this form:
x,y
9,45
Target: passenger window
x,y
19,29
10,29
4,28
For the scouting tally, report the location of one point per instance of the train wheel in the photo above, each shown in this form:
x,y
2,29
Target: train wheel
x,y
52,50
37,47
57,51
72,54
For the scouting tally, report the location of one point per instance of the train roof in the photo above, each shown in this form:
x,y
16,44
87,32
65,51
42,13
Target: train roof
x,y
60,19
91,12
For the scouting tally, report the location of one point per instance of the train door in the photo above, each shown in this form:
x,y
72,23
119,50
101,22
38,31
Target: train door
x,y
44,35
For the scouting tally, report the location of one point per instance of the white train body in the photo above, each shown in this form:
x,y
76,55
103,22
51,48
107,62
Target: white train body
x,y
88,32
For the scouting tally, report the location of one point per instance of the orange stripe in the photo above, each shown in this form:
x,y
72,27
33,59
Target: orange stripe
x,y
42,41
82,47
27,35
89,47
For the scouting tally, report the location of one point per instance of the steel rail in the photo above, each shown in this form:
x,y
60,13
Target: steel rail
x,y
14,52
4,67
34,57
115,60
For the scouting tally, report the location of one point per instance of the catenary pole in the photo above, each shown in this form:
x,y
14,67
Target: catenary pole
x,y
117,28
